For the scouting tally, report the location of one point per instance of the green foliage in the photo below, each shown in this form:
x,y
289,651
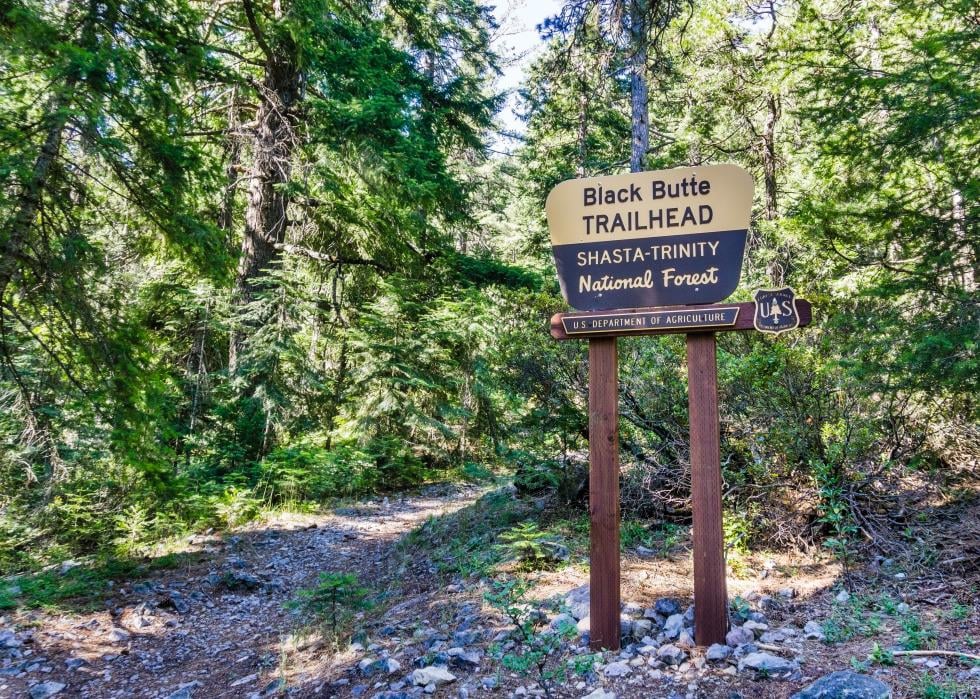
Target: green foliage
x,y
305,473
133,527
929,687
917,635
533,477
393,330
532,548
859,616
893,164
538,650
738,529
834,511
633,533
236,506
332,602
82,587
881,656
463,544
959,612
740,607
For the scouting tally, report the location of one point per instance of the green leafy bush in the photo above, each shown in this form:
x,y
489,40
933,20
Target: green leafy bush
x,y
538,649
533,477
532,548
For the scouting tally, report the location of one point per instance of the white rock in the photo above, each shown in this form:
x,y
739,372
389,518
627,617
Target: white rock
x,y
739,636
561,621
577,601
671,654
118,635
63,569
814,631
599,693
244,680
433,674
674,625
718,651
768,663
686,639
617,669
843,597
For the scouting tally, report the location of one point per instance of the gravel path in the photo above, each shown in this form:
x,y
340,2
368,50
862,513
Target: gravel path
x,y
219,628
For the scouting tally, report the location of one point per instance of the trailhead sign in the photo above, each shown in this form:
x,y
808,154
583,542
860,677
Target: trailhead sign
x,y
651,253
658,238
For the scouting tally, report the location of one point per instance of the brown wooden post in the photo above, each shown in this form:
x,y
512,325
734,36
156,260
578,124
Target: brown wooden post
x,y
710,594
604,493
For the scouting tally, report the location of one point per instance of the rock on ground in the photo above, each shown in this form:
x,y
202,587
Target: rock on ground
x,y
768,663
845,685
577,602
45,690
432,675
718,651
599,694
814,631
738,636
674,625
618,669
671,654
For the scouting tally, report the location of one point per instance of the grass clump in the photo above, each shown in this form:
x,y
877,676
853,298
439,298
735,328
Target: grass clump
x,y
917,635
858,616
462,544
929,687
82,587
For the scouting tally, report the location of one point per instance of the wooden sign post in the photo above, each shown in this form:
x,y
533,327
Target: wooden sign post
x,y
604,491
625,247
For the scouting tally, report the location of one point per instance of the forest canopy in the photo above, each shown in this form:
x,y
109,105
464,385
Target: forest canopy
x,y
263,253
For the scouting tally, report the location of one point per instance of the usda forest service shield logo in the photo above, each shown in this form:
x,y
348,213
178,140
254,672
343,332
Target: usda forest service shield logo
x,y
775,310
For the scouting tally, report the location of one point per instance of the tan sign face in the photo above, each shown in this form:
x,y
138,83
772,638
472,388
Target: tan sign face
x,y
667,237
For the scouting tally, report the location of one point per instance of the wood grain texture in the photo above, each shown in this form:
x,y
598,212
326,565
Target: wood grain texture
x,y
744,322
710,592
604,493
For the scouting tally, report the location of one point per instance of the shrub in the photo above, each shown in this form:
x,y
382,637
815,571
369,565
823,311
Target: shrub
x,y
332,601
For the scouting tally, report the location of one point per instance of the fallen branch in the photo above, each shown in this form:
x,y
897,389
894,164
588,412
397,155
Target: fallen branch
x,y
951,561
776,649
926,653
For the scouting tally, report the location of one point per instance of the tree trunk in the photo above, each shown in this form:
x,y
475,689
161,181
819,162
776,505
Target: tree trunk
x,y
639,95
265,213
18,228
769,156
233,149
29,201
583,114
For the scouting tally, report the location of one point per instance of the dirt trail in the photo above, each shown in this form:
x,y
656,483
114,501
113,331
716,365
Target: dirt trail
x,y
218,628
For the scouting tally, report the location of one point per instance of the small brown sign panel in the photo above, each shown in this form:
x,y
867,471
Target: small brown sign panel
x,y
678,320
683,319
